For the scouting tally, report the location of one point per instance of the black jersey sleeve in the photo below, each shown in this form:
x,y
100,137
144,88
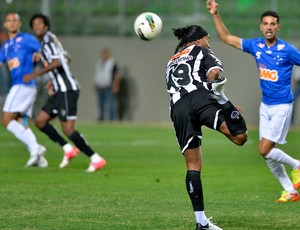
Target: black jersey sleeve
x,y
210,61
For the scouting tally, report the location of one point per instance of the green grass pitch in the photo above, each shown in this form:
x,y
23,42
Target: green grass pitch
x,y
142,186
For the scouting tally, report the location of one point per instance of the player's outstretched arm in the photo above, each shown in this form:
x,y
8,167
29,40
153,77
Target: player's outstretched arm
x,y
54,64
222,31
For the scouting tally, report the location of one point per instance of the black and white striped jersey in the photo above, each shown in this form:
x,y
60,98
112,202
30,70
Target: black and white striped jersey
x,y
187,71
61,77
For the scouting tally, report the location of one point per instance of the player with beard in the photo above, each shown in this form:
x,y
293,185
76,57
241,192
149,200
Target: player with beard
x,y
274,59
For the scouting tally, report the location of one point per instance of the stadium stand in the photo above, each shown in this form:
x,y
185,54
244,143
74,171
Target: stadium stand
x,y
115,17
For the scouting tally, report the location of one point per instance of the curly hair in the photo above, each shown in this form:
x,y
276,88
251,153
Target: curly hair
x,y
45,19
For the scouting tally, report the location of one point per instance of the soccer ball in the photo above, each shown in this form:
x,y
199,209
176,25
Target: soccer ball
x,y
148,26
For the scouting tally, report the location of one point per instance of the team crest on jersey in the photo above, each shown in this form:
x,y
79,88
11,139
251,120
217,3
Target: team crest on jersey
x,y
235,115
280,46
278,59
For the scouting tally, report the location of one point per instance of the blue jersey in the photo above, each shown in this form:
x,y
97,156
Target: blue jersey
x,y
275,66
18,53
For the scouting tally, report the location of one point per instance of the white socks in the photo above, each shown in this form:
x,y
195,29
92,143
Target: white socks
x,y
25,135
283,158
67,147
95,157
201,218
275,160
280,174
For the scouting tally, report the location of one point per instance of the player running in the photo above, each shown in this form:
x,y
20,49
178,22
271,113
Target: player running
x,y
18,53
274,59
64,92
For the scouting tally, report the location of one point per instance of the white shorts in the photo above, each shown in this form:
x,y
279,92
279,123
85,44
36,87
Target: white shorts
x,y
274,122
20,99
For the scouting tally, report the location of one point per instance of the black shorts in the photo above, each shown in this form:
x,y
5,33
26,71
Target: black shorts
x,y
190,113
62,104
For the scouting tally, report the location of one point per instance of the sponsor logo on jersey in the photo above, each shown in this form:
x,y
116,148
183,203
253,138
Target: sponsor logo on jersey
x,y
182,59
261,45
182,56
268,75
13,63
186,51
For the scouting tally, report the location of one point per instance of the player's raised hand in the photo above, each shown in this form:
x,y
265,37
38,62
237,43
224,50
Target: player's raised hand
x,y
212,6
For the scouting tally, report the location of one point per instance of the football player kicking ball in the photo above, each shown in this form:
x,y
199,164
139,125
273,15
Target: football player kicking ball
x,y
197,99
275,59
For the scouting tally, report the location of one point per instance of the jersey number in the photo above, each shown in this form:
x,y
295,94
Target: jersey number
x,y
178,77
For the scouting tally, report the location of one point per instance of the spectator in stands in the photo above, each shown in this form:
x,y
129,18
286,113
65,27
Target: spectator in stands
x,y
107,84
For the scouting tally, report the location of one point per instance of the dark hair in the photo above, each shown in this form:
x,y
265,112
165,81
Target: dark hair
x,y
270,13
45,19
187,34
